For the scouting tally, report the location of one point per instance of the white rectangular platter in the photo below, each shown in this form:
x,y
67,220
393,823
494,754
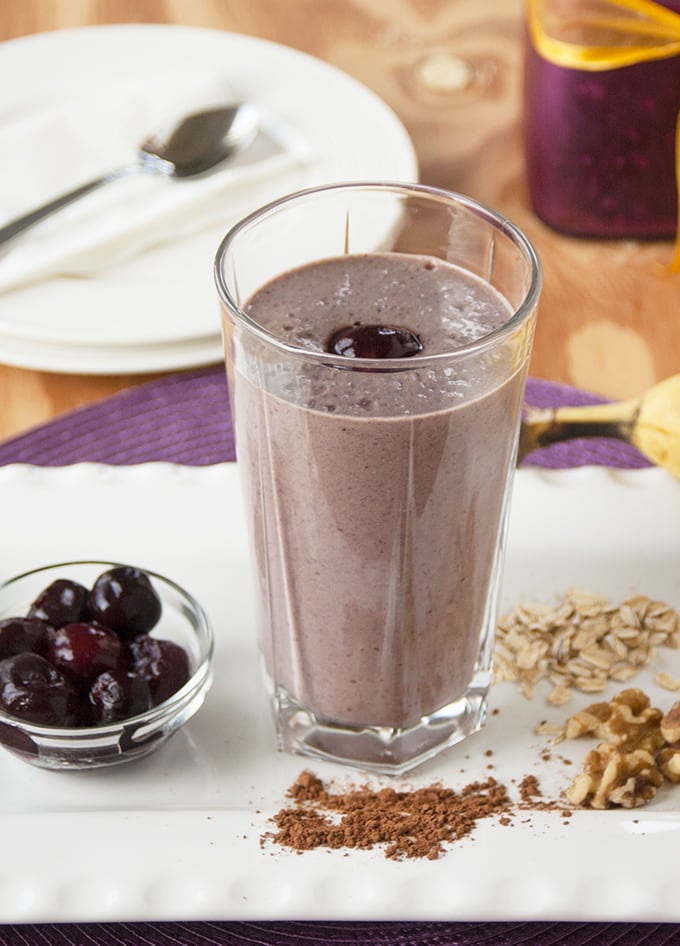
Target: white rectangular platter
x,y
178,836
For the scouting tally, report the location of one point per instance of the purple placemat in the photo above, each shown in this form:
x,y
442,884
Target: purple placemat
x,y
185,419
343,934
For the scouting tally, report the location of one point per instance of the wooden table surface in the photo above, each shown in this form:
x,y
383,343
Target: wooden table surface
x,y
610,316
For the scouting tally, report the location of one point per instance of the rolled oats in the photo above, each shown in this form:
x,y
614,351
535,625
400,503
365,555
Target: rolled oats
x,y
581,643
667,682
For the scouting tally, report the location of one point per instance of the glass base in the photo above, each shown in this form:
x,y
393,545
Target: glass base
x,y
380,749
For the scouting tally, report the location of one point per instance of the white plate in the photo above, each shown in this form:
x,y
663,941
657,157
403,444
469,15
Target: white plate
x,y
159,312
177,836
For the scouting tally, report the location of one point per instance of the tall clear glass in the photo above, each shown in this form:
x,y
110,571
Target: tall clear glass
x,y
377,488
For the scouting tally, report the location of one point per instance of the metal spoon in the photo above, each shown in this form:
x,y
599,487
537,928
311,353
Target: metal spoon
x,y
651,423
195,145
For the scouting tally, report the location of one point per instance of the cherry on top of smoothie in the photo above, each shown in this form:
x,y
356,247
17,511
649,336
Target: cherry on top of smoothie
x,y
439,305
374,341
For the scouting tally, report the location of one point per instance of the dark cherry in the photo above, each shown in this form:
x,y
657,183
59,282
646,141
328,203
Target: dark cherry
x,y
124,599
22,635
163,664
374,341
33,690
117,695
83,658
82,651
62,602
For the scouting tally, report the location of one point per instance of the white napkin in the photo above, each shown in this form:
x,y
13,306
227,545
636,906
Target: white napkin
x,y
47,150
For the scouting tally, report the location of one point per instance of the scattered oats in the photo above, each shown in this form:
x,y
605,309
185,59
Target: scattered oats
x,y
623,673
667,682
549,729
630,616
590,684
559,696
597,656
582,642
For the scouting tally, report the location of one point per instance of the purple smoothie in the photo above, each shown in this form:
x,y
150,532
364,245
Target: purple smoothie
x,y
376,497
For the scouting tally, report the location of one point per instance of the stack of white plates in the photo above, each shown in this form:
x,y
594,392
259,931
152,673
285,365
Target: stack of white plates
x,y
157,311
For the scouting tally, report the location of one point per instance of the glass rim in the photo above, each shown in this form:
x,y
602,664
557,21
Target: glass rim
x,y
501,223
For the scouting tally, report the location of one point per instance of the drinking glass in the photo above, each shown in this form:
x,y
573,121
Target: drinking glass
x,y
376,489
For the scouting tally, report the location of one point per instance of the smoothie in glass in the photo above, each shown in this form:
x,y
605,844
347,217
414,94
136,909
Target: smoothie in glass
x,y
377,399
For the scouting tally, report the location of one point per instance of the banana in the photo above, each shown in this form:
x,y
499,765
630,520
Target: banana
x,y
651,423
656,431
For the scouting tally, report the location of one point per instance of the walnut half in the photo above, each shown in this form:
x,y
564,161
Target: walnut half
x,y
627,721
641,748
611,776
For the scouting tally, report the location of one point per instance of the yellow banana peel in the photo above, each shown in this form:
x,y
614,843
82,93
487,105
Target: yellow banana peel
x,y
656,431
651,423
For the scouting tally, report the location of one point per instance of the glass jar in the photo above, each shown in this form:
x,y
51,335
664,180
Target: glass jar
x,y
601,145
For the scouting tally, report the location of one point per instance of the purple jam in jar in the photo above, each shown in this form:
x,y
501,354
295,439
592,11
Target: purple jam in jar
x,y
600,146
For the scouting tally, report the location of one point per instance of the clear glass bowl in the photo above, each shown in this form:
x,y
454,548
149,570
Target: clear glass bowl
x,y
183,621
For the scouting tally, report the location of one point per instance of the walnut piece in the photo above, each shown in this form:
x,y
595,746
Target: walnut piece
x,y
611,777
627,721
641,748
582,643
670,724
668,760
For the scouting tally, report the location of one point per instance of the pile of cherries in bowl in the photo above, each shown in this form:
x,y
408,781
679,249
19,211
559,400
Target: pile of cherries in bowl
x,y
83,681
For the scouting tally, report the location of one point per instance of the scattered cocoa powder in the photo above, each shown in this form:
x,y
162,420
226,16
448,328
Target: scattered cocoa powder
x,y
529,788
407,824
531,798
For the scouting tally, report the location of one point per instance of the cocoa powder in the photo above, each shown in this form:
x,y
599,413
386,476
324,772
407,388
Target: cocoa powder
x,y
529,789
416,823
